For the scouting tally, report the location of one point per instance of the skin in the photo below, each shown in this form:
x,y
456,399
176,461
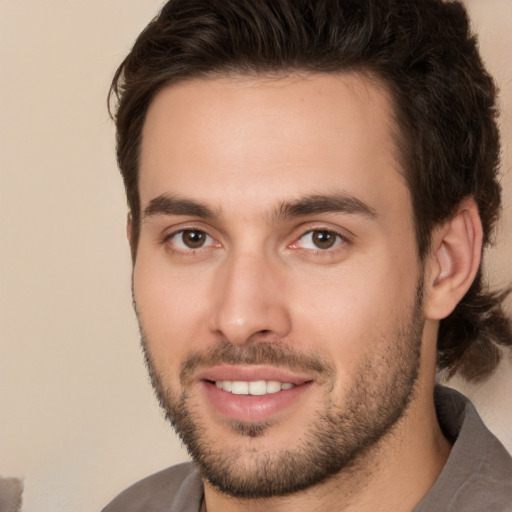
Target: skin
x,y
241,147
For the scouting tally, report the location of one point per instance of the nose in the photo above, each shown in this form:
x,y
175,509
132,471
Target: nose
x,y
251,300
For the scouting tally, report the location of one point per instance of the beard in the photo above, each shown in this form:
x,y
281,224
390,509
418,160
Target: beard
x,y
340,433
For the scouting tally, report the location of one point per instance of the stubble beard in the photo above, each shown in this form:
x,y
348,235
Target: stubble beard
x,y
338,436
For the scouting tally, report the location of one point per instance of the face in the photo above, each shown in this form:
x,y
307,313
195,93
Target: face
x,y
276,280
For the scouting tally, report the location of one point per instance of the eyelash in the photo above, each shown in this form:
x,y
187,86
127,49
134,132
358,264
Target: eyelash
x,y
339,239
190,251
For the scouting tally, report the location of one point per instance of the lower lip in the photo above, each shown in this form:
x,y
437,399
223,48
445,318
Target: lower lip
x,y
252,408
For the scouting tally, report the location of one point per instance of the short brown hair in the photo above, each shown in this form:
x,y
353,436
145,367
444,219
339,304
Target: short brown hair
x,y
425,53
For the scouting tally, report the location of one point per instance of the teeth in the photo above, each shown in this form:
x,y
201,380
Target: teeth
x,y
258,387
240,388
255,387
273,386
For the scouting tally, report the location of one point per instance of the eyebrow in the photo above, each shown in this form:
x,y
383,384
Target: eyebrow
x,y
171,205
302,207
330,203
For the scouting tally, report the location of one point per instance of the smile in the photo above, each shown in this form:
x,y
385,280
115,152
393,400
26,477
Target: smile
x,y
255,387
252,394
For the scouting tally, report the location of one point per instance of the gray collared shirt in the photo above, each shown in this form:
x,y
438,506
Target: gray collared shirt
x,y
476,478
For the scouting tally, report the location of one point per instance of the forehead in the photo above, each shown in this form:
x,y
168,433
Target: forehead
x,y
250,140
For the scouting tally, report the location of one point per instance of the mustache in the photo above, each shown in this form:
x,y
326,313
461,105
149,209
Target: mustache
x,y
261,353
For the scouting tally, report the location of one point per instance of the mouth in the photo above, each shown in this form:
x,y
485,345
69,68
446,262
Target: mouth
x,y
254,387
252,394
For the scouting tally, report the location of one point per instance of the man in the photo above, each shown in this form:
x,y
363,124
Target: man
x,y
311,183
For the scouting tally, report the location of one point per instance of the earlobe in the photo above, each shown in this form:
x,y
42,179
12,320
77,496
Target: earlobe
x,y
454,260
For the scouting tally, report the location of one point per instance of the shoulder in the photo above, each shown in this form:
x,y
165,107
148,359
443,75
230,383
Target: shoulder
x,y
178,488
478,473
488,484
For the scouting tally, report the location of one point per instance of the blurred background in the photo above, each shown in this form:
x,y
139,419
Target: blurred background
x,y
78,421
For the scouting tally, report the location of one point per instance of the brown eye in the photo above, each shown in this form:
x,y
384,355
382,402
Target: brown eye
x,y
190,239
193,239
322,239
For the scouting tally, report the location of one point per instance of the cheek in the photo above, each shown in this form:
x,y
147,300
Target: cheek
x,y
337,322
170,307
350,311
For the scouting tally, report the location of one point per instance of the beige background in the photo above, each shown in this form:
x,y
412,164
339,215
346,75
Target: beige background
x,y
77,417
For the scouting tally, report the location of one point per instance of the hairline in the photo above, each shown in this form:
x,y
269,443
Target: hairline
x,y
401,144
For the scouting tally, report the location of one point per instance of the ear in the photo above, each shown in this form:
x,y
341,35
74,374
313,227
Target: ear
x,y
454,260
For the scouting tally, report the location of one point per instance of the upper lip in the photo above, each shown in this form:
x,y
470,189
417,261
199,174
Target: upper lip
x,y
249,373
